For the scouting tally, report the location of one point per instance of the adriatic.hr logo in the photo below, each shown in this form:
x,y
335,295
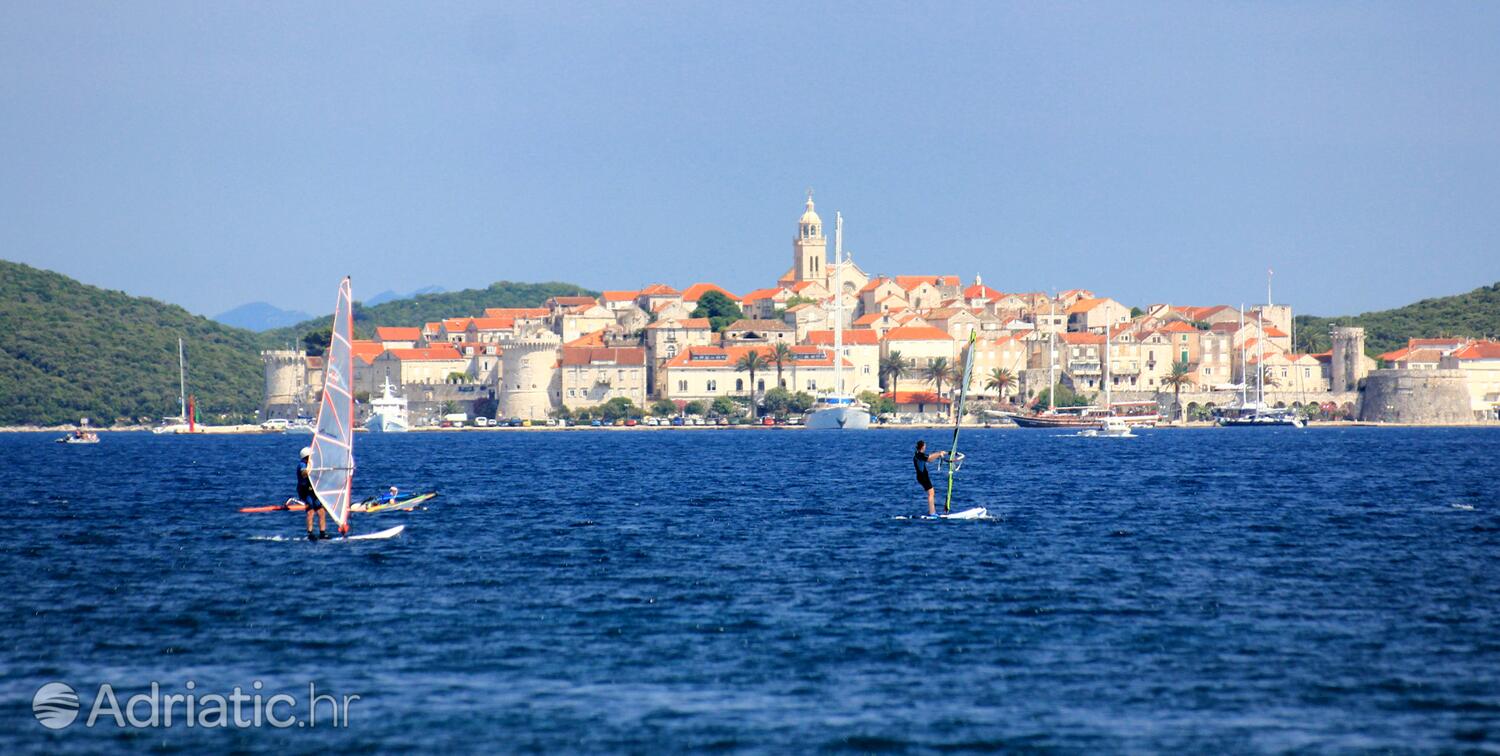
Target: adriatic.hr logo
x,y
55,705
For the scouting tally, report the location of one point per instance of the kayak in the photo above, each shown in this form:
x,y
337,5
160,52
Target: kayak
x,y
290,505
405,505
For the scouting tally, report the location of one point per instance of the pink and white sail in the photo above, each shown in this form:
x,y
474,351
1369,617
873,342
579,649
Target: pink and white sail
x,y
332,470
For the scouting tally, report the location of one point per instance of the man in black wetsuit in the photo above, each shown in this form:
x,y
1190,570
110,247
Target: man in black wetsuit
x,y
919,461
307,496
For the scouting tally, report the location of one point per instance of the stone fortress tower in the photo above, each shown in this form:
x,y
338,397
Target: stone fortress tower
x,y
528,375
1348,359
286,382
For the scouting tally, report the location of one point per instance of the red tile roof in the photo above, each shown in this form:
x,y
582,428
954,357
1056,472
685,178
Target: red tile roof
x,y
584,355
1084,305
1081,338
593,339
453,325
865,320
1177,326
912,282
1479,350
573,301
917,333
760,294
397,333
619,296
493,324
659,290
980,291
874,284
367,351
916,397
851,336
696,291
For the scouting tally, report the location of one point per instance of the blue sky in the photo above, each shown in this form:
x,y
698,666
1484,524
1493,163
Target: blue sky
x,y
210,154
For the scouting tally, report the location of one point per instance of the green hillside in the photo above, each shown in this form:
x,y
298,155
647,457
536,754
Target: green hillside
x,y
431,307
68,350
1476,313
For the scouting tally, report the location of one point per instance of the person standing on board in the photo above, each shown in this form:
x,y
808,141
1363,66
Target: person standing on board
x,y
919,461
390,496
306,494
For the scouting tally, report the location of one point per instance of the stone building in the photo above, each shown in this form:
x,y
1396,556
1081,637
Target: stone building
x,y
529,385
591,376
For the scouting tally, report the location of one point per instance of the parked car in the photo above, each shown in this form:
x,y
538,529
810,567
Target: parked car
x,y
768,420
631,422
679,421
596,423
481,422
446,424
514,422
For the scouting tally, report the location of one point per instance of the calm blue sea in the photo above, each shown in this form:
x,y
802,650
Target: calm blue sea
x,y
1189,590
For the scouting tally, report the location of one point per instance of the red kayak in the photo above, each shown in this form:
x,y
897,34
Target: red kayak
x,y
291,505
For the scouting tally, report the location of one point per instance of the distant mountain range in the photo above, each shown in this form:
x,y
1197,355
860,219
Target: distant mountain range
x,y
264,316
391,296
260,316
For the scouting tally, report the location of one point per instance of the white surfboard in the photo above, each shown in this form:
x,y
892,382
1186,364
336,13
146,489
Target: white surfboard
x,y
387,533
977,513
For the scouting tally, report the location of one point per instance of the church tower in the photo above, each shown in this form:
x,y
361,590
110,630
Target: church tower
x,y
810,248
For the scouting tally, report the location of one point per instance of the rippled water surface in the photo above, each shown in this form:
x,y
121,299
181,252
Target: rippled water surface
x,y
1327,589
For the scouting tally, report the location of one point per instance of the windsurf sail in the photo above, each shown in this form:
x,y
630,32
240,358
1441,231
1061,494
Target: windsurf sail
x,y
332,469
954,458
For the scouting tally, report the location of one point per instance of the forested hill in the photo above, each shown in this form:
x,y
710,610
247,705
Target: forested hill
x,y
1476,314
69,350
430,307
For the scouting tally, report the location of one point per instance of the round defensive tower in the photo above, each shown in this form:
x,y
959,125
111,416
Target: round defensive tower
x,y
284,379
528,368
1347,361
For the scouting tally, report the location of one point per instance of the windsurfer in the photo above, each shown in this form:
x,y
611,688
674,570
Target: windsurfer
x,y
390,496
306,494
919,461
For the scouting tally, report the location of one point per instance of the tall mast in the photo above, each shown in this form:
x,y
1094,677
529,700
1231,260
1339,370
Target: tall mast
x,y
1052,355
181,383
1260,362
838,303
1244,379
1109,405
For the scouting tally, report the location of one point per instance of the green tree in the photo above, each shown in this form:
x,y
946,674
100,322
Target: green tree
x,y
663,408
316,341
696,408
723,406
893,367
1180,376
801,402
999,381
457,377
1136,312
752,363
449,407
781,354
619,408
1066,397
777,401
719,309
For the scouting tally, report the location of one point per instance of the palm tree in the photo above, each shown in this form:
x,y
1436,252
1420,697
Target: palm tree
x,y
1268,377
1180,376
892,369
1000,379
752,362
781,354
939,372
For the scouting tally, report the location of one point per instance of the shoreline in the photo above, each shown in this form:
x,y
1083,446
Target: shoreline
x,y
255,430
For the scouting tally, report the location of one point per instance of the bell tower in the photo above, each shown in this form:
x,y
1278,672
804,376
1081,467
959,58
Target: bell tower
x,y
810,247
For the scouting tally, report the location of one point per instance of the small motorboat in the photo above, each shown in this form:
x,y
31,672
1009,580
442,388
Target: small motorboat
x,y
1111,427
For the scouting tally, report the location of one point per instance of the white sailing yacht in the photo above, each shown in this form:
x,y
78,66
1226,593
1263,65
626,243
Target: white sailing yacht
x,y
180,423
838,410
388,412
1256,414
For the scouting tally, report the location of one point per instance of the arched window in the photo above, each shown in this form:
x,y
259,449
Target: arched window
x,y
739,384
